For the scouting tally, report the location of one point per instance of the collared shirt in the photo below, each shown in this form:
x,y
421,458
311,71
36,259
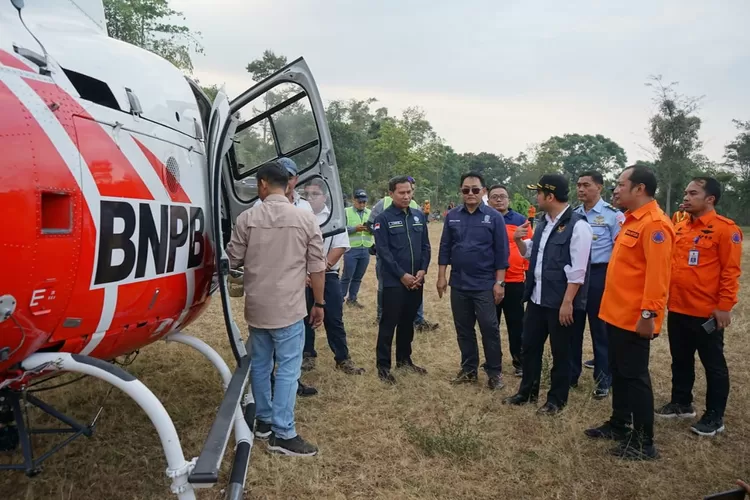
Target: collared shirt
x,y
639,270
298,202
475,245
278,245
580,248
605,221
705,266
340,240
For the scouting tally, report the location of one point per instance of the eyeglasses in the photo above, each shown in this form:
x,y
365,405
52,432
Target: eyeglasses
x,y
314,195
496,197
474,190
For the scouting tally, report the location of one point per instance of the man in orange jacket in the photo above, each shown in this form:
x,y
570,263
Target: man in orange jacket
x,y
635,293
702,292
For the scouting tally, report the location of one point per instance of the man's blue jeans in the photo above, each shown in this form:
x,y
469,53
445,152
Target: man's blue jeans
x,y
356,261
279,408
378,270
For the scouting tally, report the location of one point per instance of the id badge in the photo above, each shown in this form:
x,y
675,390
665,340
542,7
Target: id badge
x,y
693,258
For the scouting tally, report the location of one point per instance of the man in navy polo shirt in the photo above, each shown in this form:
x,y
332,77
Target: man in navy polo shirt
x,y
475,244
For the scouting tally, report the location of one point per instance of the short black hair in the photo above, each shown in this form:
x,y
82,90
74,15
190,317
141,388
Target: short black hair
x,y
317,182
472,174
711,186
561,197
641,174
595,176
274,174
395,181
498,186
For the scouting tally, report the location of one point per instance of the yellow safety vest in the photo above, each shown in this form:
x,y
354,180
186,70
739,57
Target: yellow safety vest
x,y
387,201
361,238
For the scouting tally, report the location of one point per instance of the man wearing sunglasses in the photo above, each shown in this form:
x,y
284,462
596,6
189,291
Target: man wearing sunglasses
x,y
556,291
475,244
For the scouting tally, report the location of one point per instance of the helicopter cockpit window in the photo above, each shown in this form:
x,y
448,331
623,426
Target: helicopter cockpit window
x,y
277,123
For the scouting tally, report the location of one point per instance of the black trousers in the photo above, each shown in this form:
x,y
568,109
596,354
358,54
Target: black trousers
x,y
540,323
686,335
512,307
599,335
333,320
469,308
400,306
632,395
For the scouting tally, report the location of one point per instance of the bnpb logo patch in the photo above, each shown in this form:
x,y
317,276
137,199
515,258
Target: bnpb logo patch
x,y
658,237
736,238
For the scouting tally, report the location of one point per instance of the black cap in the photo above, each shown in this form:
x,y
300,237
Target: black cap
x,y
360,194
551,183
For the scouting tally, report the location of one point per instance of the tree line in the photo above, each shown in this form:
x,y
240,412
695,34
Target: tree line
x,y
372,144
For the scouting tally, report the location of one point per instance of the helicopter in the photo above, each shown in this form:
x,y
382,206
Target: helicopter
x,y
120,181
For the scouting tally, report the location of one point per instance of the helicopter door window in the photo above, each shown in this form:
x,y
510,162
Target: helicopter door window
x,y
277,123
317,193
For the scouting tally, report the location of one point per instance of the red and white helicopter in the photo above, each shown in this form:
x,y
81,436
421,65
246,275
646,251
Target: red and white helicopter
x,y
119,181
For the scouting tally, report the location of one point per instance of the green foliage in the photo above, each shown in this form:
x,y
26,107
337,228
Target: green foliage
x,y
372,146
520,204
457,438
210,90
673,130
144,23
266,66
572,154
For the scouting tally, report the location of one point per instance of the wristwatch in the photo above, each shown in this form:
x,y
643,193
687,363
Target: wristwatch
x,y
648,314
501,283
319,305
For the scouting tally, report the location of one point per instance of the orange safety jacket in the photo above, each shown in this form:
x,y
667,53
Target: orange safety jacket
x,y
705,266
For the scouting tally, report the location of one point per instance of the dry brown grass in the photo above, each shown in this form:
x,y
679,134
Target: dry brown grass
x,y
366,431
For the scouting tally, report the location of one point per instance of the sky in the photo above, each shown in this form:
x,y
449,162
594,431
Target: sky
x,y
498,75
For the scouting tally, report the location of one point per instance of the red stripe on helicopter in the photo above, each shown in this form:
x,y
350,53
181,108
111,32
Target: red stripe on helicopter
x,y
113,173
176,193
8,59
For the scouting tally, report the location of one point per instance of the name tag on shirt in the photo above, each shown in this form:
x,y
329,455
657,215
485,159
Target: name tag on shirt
x,y
693,258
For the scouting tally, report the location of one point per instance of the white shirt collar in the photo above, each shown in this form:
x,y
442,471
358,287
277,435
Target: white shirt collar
x,y
549,219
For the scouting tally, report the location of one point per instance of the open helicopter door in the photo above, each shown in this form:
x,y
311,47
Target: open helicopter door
x,y
282,115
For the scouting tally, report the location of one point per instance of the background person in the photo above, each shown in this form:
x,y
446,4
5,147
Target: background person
x,y
361,240
403,245
559,257
475,244
635,294
284,245
515,275
605,221
704,285
333,247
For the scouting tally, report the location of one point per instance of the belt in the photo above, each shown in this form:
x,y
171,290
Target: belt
x,y
600,264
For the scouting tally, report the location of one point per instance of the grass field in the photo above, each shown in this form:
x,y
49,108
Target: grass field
x,y
420,439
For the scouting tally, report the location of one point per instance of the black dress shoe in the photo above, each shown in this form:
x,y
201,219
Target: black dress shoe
x,y
549,409
412,368
608,431
386,376
306,390
517,400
